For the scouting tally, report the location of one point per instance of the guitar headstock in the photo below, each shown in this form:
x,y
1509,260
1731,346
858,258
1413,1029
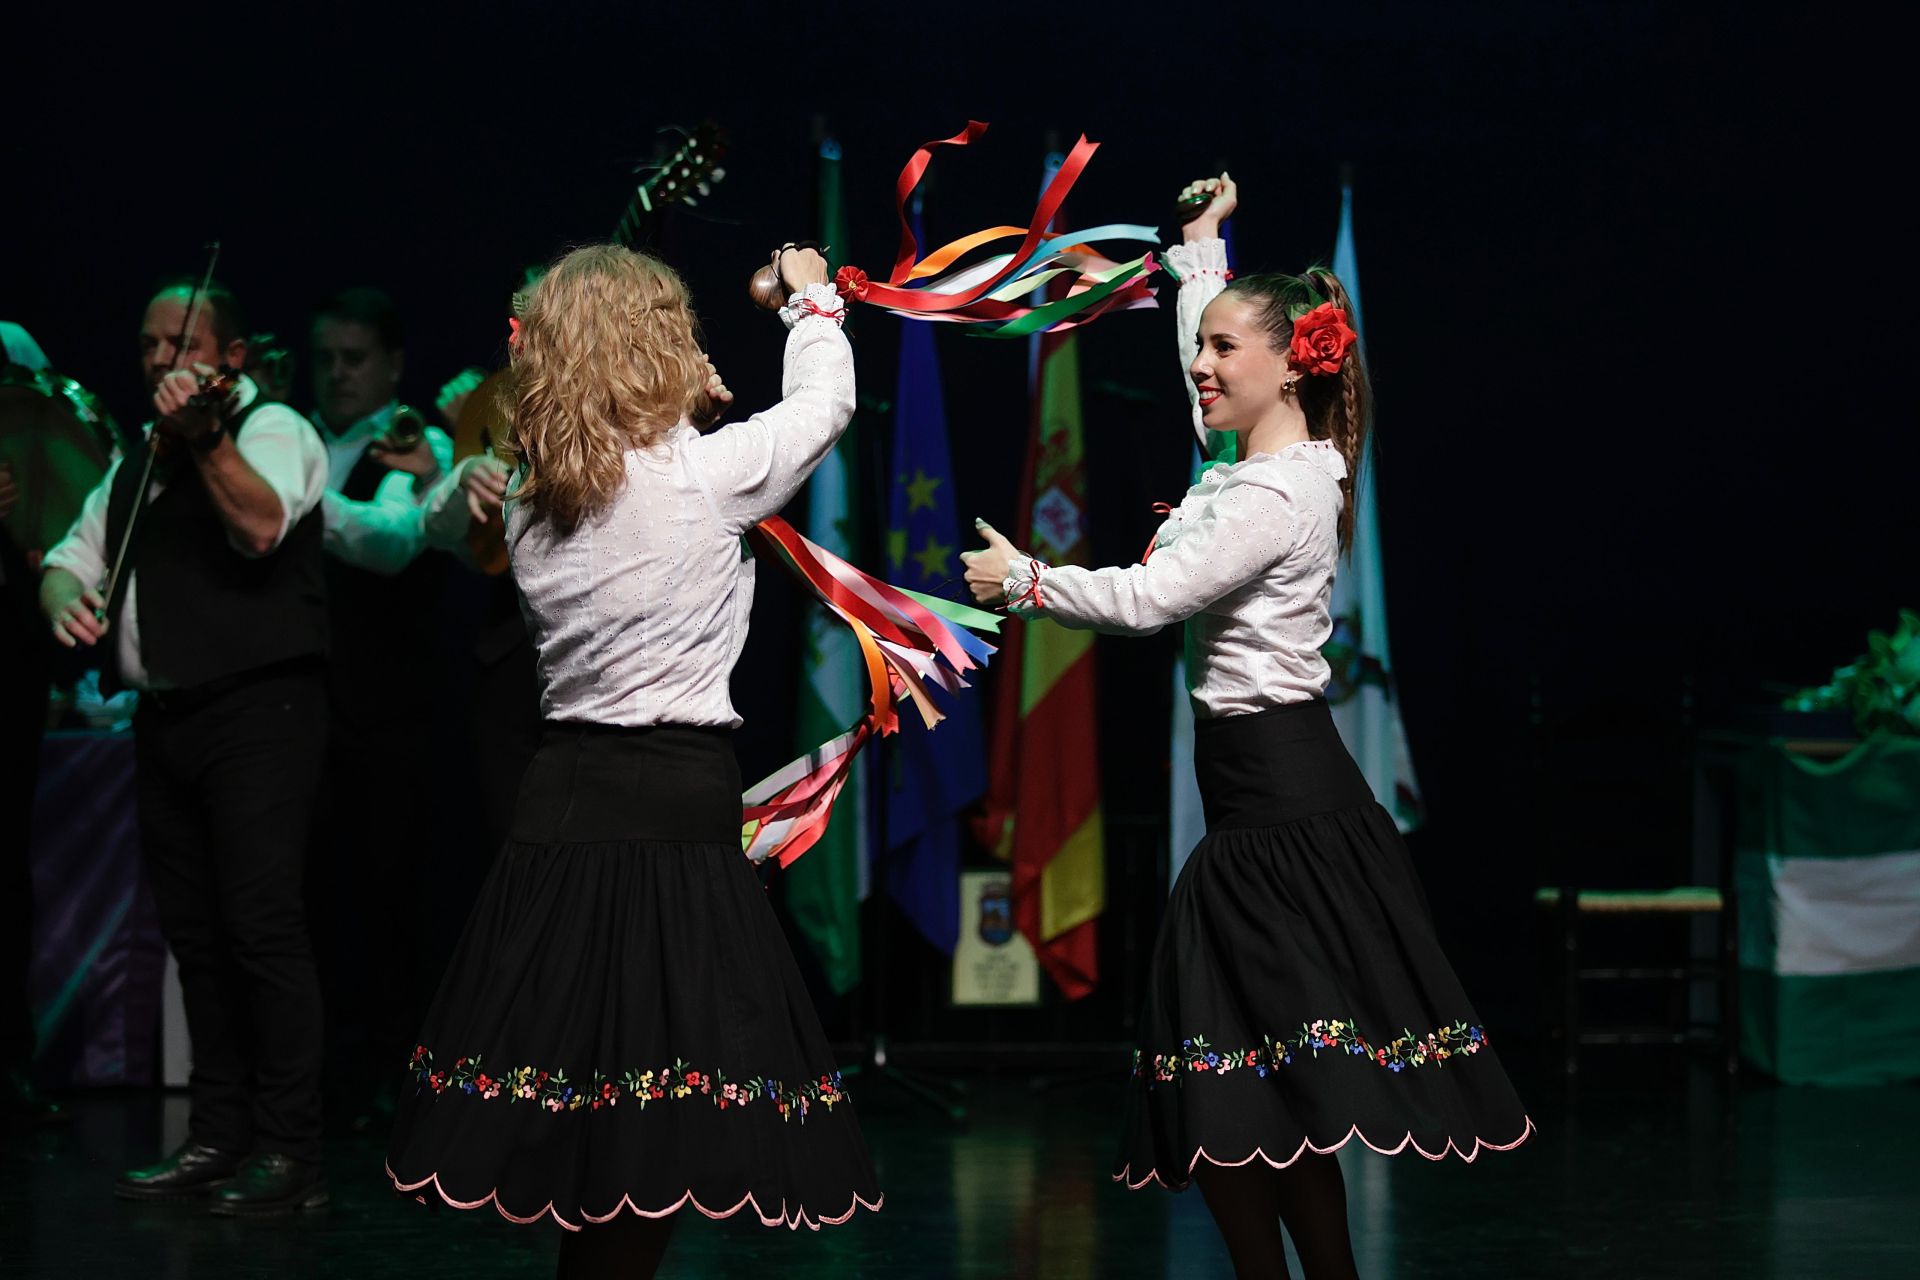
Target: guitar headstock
x,y
683,177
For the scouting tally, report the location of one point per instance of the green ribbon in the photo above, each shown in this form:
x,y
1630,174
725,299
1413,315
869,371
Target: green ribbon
x,y
1045,317
953,611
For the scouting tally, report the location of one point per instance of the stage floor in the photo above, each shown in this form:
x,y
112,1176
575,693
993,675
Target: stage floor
x,y
1677,1176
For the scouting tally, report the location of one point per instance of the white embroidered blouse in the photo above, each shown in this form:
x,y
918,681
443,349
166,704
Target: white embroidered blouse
x,y
1248,555
638,615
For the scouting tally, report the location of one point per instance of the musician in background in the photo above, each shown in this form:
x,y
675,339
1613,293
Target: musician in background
x,y
24,677
375,820
219,618
23,713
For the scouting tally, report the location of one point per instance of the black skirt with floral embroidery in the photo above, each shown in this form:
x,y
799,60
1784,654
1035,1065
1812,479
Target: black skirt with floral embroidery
x,y
623,1027
1298,998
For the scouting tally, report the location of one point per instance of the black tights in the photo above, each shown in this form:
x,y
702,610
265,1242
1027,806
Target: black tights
x,y
1250,1201
625,1247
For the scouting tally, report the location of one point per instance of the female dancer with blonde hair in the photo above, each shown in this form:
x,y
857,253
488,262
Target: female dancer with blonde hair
x,y
622,1032
1298,997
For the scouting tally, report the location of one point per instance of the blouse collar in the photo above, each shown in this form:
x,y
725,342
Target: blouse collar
x,y
1323,454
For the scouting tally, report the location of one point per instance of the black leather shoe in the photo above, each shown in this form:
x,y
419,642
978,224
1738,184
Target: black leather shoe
x,y
193,1170
271,1184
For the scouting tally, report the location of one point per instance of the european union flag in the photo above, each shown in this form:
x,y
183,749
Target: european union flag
x,y
931,775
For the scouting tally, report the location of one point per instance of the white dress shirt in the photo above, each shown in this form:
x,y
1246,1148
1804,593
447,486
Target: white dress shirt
x,y
276,442
1248,555
640,613
383,533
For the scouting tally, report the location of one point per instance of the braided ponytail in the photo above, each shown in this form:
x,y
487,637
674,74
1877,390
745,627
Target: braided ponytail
x,y
1348,407
1337,406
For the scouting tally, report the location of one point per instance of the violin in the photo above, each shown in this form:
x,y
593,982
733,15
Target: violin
x,y
216,389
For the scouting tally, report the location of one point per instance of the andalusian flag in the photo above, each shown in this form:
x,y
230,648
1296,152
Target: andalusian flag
x,y
824,889
929,776
1828,881
1043,791
1365,706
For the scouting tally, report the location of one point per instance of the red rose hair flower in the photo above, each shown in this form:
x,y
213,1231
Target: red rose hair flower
x,y
1321,340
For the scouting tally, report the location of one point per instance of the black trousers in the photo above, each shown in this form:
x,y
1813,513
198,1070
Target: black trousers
x,y
226,787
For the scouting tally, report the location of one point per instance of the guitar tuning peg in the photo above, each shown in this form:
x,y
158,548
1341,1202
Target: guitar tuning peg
x,y
689,200
703,188
718,173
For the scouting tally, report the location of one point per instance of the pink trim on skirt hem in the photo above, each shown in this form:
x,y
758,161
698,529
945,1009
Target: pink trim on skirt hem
x,y
1306,1144
792,1222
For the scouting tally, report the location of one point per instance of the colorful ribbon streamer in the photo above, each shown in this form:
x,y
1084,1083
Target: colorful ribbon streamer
x,y
909,642
990,296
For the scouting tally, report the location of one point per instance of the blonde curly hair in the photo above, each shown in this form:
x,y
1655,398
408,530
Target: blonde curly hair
x,y
608,360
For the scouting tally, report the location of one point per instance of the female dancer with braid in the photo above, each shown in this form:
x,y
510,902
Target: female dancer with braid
x,y
1298,996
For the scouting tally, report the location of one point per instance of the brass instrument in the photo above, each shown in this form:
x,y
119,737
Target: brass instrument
x,y
405,431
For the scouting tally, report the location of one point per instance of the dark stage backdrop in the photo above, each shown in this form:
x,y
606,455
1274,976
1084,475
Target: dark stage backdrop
x,y
1635,295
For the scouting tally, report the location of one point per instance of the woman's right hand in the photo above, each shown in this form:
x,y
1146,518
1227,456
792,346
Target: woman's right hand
x,y
800,267
1225,199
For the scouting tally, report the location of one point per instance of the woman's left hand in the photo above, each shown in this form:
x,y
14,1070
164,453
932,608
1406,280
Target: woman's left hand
x,y
987,570
711,404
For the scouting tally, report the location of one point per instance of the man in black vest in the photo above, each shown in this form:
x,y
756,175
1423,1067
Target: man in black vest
x,y
219,618
375,821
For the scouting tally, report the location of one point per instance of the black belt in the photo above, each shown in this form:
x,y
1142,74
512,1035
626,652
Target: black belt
x,y
175,702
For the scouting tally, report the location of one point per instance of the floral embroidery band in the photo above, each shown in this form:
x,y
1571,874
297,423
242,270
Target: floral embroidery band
x,y
553,1092
1195,1056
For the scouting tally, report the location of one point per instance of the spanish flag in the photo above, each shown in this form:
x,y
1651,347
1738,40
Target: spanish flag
x,y
1042,810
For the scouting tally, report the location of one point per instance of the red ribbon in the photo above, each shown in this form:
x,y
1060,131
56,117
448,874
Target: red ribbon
x,y
890,295
1032,590
909,179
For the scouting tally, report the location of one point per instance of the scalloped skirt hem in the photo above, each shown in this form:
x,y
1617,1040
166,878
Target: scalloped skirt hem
x,y
793,1219
1154,1176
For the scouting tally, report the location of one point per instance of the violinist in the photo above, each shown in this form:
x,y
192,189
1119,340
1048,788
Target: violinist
x,y
217,614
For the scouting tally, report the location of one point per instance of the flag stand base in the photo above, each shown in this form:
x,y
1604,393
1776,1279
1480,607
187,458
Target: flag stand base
x,y
943,1095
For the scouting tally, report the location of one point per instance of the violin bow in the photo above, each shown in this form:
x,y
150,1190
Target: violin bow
x,y
192,326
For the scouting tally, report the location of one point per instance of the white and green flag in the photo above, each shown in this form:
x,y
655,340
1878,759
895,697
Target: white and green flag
x,y
824,890
1828,885
1366,707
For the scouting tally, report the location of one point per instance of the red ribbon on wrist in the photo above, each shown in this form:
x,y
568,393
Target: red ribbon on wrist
x,y
1030,592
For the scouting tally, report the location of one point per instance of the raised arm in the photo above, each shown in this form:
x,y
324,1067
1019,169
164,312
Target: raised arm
x,y
753,468
384,533
1201,263
260,484
1248,526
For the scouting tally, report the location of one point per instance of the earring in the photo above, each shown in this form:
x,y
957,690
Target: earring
x,y
1291,387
